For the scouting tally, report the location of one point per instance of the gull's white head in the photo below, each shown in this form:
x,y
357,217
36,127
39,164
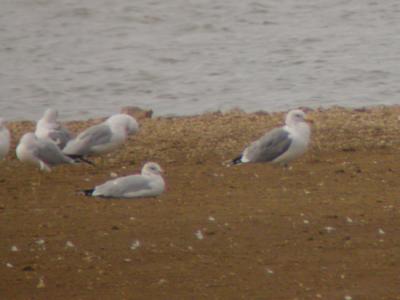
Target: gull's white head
x,y
295,117
152,168
125,122
50,115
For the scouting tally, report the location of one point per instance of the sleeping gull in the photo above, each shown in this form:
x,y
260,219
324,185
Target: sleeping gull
x,y
147,184
4,139
280,145
102,138
43,153
48,127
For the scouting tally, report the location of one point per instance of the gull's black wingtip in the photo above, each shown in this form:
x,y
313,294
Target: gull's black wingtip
x,y
237,160
80,158
88,192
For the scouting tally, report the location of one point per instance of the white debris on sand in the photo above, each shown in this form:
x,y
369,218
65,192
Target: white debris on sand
x,y
135,244
40,284
269,271
381,231
329,229
14,249
199,234
349,220
211,219
9,265
69,244
41,244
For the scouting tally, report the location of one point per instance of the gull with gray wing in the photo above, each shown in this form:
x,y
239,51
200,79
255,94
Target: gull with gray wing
x,y
102,138
43,153
280,145
147,184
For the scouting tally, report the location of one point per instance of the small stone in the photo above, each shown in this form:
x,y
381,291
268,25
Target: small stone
x,y
9,265
381,231
14,249
211,219
306,222
113,174
348,297
28,269
349,220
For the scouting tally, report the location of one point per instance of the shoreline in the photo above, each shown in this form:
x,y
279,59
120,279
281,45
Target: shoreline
x,y
227,111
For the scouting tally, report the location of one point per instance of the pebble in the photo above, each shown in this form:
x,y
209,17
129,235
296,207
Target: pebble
x,y
14,249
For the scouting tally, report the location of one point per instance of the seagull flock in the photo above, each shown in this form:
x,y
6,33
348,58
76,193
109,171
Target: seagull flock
x,y
52,144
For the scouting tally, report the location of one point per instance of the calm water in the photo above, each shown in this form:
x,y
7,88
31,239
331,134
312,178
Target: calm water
x,y
89,58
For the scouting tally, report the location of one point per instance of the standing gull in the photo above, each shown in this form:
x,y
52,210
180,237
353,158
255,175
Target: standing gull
x,y
4,139
147,184
280,145
102,138
48,127
43,153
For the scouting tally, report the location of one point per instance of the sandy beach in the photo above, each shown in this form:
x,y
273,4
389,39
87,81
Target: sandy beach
x,y
325,228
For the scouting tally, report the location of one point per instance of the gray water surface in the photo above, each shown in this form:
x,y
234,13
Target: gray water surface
x,y
88,58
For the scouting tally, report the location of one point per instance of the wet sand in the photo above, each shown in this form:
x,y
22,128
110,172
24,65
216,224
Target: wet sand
x,y
326,228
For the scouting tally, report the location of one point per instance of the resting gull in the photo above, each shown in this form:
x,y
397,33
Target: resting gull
x,y
4,139
147,184
43,153
102,138
48,127
280,145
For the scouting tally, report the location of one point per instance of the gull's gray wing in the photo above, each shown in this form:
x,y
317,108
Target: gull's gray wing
x,y
123,186
93,136
50,154
61,136
268,147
